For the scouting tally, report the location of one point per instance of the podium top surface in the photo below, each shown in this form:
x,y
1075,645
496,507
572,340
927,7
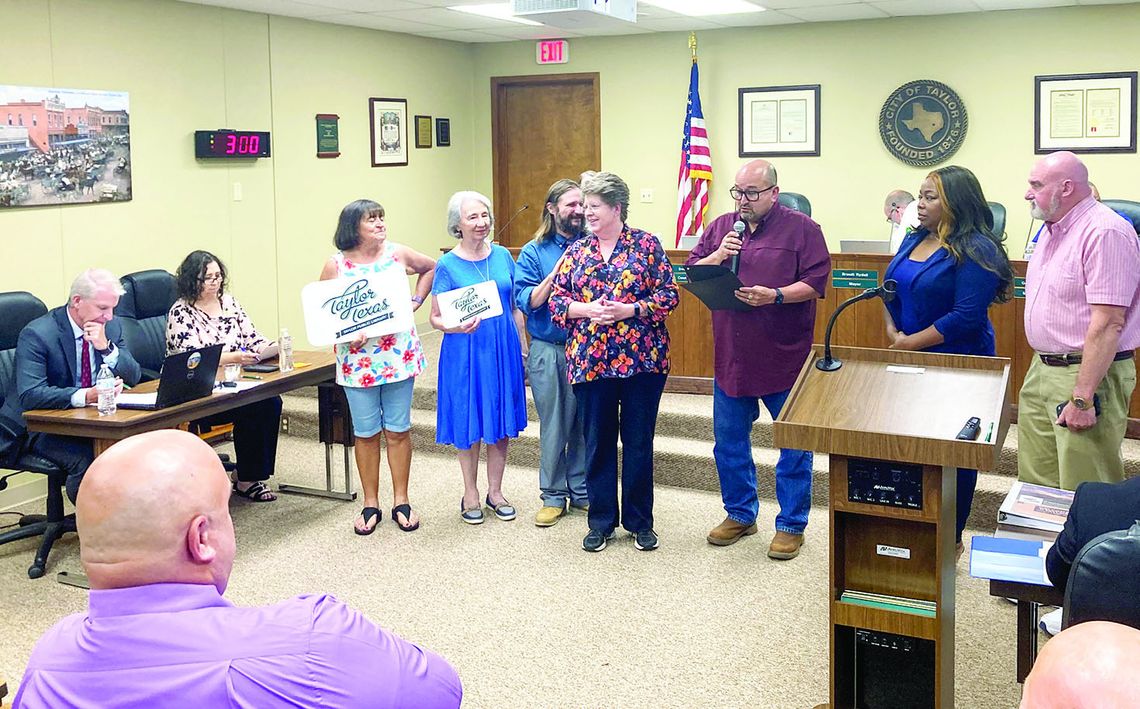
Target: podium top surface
x,y
898,405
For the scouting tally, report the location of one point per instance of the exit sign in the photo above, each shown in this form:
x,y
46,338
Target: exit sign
x,y
552,51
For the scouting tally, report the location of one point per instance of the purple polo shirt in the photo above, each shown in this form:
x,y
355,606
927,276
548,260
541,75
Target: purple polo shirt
x,y
761,352
184,645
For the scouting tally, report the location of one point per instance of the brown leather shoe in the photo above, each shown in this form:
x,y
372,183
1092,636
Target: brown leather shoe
x,y
785,546
729,532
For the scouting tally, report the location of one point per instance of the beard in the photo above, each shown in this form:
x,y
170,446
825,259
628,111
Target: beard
x,y
1036,211
570,226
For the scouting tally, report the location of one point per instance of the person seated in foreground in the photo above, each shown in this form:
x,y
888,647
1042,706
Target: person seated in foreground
x,y
1088,666
158,547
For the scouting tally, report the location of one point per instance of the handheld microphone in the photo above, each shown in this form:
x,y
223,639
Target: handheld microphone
x,y
827,363
508,224
734,264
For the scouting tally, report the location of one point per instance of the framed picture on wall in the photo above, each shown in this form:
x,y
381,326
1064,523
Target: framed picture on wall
x,y
779,120
423,131
1085,113
443,132
388,119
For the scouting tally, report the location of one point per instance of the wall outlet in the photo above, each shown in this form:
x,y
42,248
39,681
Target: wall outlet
x,y
646,195
237,191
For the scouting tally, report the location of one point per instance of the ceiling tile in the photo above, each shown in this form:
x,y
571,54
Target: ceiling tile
x,y
380,22
837,13
797,4
899,8
465,36
754,19
1021,4
677,23
287,8
452,19
337,6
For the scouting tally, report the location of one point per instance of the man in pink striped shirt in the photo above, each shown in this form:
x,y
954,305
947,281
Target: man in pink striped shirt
x,y
1082,290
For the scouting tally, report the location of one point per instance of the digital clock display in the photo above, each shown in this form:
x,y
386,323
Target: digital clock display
x,y
231,144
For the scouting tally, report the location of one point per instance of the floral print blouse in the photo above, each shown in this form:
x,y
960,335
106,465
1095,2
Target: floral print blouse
x,y
638,272
188,328
380,360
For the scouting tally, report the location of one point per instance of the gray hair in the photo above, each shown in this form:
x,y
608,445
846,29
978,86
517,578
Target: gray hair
x,y
899,198
91,281
455,204
611,188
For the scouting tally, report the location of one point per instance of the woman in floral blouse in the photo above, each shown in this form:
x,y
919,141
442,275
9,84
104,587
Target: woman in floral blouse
x,y
378,373
205,315
613,292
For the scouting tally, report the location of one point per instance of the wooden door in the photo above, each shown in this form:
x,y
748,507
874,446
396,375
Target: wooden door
x,y
543,128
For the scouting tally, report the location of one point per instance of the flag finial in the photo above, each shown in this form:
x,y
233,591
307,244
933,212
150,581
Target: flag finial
x,y
693,45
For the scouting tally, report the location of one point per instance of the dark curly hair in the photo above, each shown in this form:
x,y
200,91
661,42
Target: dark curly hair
x,y
347,236
192,270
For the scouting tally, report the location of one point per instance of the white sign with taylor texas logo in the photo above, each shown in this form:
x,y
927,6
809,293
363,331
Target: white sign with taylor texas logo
x,y
340,309
462,305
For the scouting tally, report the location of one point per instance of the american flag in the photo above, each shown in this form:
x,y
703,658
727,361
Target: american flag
x,y
696,167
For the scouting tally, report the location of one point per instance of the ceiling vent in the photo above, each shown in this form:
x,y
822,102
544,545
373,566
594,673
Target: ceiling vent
x,y
577,14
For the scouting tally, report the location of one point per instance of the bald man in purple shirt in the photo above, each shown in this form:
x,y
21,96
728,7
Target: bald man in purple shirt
x,y
757,354
158,547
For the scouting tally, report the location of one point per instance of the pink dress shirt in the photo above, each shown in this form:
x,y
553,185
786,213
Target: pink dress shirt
x,y
1090,257
183,645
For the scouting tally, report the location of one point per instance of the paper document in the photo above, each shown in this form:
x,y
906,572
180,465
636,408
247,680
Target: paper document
x,y
1009,560
136,399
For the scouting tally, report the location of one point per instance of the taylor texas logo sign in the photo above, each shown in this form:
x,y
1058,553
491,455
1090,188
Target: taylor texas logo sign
x,y
923,123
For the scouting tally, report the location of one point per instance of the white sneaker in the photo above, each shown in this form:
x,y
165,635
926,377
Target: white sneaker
x,y
1050,623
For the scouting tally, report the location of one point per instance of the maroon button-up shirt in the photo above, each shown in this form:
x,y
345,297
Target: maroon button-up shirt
x,y
761,352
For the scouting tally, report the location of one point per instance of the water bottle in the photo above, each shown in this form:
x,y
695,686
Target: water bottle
x,y
285,351
105,385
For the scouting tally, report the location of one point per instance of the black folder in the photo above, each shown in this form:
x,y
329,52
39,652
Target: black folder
x,y
715,286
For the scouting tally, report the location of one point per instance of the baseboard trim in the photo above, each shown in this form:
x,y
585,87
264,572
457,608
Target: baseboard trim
x,y
22,489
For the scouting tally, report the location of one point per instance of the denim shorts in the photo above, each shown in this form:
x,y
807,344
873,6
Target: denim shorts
x,y
387,406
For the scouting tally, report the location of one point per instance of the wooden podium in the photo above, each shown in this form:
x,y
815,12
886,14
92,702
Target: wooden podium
x,y
888,420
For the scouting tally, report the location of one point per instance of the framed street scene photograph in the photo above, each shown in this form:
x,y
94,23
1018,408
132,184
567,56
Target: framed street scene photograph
x,y
423,131
779,120
388,118
1085,113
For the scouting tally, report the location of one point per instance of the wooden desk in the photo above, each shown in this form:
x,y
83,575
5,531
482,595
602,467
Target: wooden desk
x,y
104,431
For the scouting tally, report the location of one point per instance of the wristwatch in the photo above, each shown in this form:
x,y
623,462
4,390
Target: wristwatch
x,y
1081,403
637,310
779,297
110,348
417,299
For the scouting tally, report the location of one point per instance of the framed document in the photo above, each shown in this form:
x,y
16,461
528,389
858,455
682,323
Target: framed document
x,y
388,118
328,135
340,309
423,131
1085,113
443,132
779,120
460,306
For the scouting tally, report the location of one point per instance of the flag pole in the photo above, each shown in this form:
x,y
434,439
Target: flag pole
x,y
693,45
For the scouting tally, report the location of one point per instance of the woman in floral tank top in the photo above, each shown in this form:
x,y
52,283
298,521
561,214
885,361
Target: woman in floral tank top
x,y
377,373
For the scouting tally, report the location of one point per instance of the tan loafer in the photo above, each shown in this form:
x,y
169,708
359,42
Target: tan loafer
x,y
785,546
548,516
729,532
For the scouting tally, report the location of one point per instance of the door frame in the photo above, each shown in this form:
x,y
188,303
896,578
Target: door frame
x,y
499,84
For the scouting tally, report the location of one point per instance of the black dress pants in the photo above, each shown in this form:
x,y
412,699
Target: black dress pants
x,y
255,436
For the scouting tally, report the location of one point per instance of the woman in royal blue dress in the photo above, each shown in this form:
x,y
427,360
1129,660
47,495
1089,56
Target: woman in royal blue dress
x,y
482,397
949,272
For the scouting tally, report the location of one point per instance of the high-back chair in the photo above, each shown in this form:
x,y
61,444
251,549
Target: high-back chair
x,y
143,308
17,309
796,201
1104,579
998,210
1126,208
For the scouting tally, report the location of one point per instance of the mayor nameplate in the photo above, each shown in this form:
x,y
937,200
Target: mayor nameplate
x,y
342,309
462,305
923,123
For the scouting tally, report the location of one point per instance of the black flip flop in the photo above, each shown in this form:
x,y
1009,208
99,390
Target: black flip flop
x,y
406,510
255,492
367,513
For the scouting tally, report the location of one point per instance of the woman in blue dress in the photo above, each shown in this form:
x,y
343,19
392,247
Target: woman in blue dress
x,y
949,271
482,397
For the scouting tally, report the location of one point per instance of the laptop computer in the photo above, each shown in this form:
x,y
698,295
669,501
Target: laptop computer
x,y
864,246
185,377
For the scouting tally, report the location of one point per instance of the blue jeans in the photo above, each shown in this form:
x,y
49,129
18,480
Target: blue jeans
x,y
733,417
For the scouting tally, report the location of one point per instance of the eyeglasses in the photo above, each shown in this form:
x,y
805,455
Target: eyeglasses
x,y
210,278
750,195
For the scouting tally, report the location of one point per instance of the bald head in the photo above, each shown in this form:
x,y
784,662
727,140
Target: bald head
x,y
154,508
756,177
896,202
1057,183
1090,665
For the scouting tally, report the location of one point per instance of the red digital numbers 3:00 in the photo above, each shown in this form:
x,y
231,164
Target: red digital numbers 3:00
x,y
242,145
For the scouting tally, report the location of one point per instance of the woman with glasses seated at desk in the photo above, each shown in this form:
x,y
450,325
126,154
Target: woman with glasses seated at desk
x,y
949,271
205,315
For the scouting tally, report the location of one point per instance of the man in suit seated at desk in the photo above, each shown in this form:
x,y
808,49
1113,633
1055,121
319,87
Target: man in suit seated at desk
x,y
1088,666
58,357
158,547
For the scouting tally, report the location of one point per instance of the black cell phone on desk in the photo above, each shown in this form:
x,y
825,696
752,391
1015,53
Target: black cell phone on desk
x,y
1096,408
260,367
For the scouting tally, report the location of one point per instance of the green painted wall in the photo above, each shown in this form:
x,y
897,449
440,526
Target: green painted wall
x,y
989,58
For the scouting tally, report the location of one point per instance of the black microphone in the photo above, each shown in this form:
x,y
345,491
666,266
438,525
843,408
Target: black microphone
x,y
827,363
508,224
734,264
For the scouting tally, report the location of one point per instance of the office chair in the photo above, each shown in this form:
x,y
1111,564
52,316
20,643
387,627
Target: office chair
x,y
1126,208
998,210
1104,579
143,308
796,201
17,309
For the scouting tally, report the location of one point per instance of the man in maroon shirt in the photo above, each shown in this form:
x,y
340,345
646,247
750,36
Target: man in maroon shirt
x,y
784,266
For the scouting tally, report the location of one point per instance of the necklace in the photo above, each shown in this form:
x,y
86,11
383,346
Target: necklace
x,y
474,264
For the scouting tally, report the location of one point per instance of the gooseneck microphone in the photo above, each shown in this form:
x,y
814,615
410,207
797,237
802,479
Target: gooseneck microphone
x,y
734,264
827,363
508,224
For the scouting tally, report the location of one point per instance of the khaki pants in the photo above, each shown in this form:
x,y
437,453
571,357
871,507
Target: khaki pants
x,y
1048,454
